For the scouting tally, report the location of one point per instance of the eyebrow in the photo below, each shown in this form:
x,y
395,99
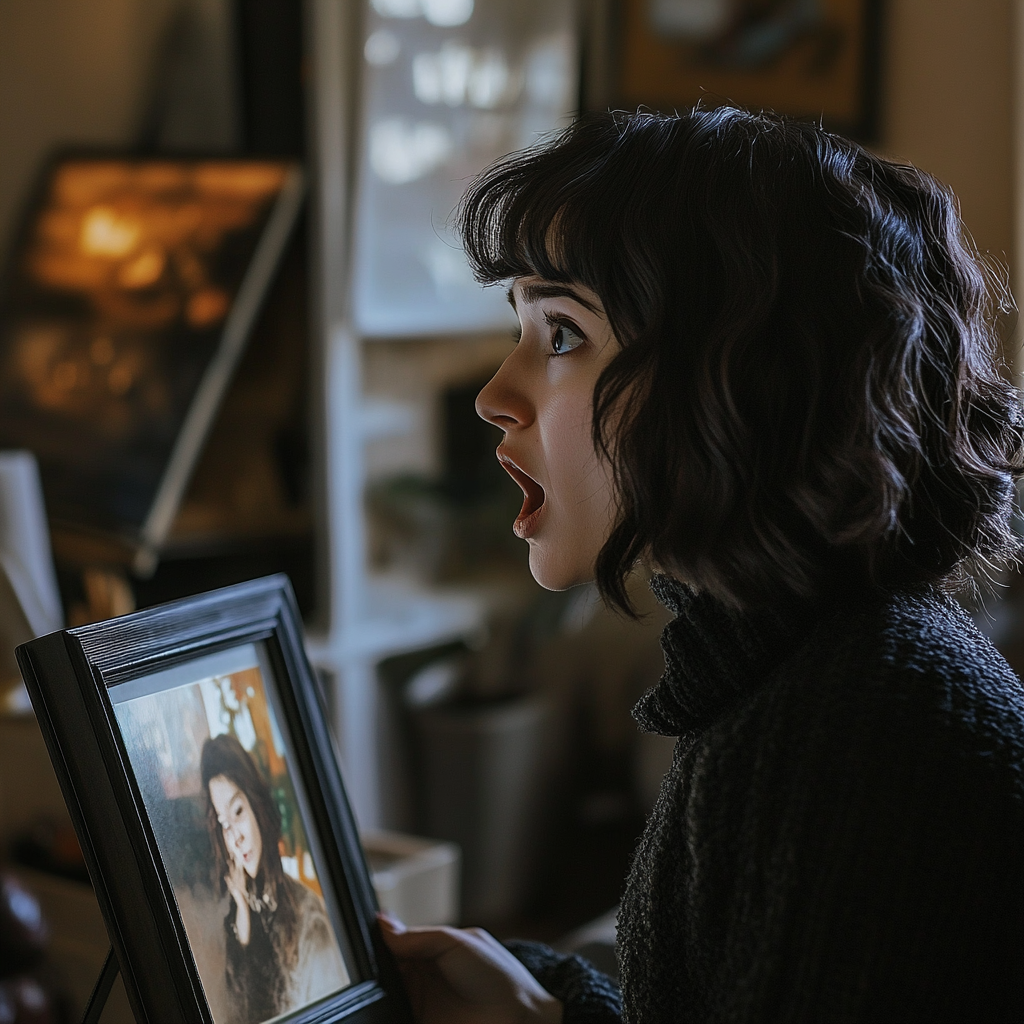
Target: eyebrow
x,y
551,290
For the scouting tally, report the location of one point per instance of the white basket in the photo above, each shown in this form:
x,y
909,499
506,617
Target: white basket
x,y
416,880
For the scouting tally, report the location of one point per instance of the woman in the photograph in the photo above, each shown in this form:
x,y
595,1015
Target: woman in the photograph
x,y
762,362
280,949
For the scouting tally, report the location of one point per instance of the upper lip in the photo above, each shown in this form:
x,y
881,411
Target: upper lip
x,y
533,491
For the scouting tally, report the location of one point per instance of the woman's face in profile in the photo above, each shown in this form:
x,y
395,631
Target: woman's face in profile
x,y
241,833
541,398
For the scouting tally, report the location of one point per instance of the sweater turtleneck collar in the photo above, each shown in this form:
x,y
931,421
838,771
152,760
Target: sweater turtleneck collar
x,y
714,656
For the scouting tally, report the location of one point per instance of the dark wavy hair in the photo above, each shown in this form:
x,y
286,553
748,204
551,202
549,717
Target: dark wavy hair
x,y
807,396
224,755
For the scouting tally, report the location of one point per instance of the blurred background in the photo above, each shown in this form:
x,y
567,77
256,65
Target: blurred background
x,y
238,337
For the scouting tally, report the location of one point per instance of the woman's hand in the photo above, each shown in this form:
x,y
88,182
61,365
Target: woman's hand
x,y
235,881
465,976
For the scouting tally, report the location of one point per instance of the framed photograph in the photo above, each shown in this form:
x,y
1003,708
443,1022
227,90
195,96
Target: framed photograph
x,y
807,58
192,750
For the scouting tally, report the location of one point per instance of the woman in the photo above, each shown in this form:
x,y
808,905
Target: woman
x,y
762,360
281,952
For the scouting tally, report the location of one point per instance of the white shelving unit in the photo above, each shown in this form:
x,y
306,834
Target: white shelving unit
x,y
410,98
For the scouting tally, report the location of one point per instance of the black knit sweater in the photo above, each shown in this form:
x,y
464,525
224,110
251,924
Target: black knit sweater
x,y
841,834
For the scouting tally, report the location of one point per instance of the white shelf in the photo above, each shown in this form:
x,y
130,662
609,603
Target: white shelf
x,y
394,617
380,417
384,268
400,616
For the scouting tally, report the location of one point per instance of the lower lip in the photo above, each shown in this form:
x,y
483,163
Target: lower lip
x,y
526,526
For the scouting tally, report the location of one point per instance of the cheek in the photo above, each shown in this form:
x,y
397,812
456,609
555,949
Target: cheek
x,y
563,552
569,449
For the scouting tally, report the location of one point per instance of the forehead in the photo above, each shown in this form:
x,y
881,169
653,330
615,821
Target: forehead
x,y
222,789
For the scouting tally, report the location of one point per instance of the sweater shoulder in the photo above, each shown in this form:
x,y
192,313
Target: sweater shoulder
x,y
913,666
921,647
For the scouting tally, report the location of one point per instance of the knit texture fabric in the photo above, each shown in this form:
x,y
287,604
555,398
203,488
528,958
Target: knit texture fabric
x,y
587,995
841,834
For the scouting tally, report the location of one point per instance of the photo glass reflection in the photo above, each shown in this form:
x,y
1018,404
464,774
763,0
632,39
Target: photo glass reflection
x,y
231,822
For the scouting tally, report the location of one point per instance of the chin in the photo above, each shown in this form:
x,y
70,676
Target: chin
x,y
558,573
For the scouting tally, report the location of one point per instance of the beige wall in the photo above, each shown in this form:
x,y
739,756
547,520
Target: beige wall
x,y
70,72
947,105
78,72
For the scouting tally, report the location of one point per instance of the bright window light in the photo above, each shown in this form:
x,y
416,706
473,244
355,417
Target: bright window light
x,y
401,152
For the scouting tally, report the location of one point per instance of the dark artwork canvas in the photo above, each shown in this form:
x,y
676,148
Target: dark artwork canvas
x,y
806,58
119,296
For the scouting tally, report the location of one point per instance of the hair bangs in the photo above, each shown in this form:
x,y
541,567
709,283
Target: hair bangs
x,y
532,213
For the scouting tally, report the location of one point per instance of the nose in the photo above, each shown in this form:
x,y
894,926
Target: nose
x,y
504,401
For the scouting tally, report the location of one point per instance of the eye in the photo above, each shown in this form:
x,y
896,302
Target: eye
x,y
565,338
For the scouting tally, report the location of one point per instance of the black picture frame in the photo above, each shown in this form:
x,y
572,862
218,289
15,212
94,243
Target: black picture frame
x,y
71,676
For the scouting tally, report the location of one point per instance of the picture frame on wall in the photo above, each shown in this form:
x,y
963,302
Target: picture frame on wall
x,y
816,59
194,756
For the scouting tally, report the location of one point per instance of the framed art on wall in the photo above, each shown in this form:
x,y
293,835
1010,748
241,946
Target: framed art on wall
x,y
807,58
193,754
127,306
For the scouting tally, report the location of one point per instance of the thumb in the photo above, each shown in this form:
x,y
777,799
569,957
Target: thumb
x,y
390,925
417,943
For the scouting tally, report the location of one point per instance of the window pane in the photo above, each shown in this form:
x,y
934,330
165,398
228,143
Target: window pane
x,y
449,86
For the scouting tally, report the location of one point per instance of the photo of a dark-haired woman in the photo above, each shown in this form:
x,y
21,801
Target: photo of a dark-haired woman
x,y
281,952
216,777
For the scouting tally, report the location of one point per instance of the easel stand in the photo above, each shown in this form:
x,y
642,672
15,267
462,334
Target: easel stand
x,y
104,983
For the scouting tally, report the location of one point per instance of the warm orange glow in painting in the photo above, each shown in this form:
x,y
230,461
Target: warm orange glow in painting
x,y
142,246
139,240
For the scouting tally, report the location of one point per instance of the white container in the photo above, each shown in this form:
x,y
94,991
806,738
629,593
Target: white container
x,y
483,768
416,880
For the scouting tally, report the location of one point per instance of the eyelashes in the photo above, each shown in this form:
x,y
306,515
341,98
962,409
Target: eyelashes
x,y
566,336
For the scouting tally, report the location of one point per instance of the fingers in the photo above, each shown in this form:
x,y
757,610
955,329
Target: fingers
x,y
466,970
419,943
459,947
388,923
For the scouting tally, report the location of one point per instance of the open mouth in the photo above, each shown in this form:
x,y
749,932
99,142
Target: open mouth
x,y
533,498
